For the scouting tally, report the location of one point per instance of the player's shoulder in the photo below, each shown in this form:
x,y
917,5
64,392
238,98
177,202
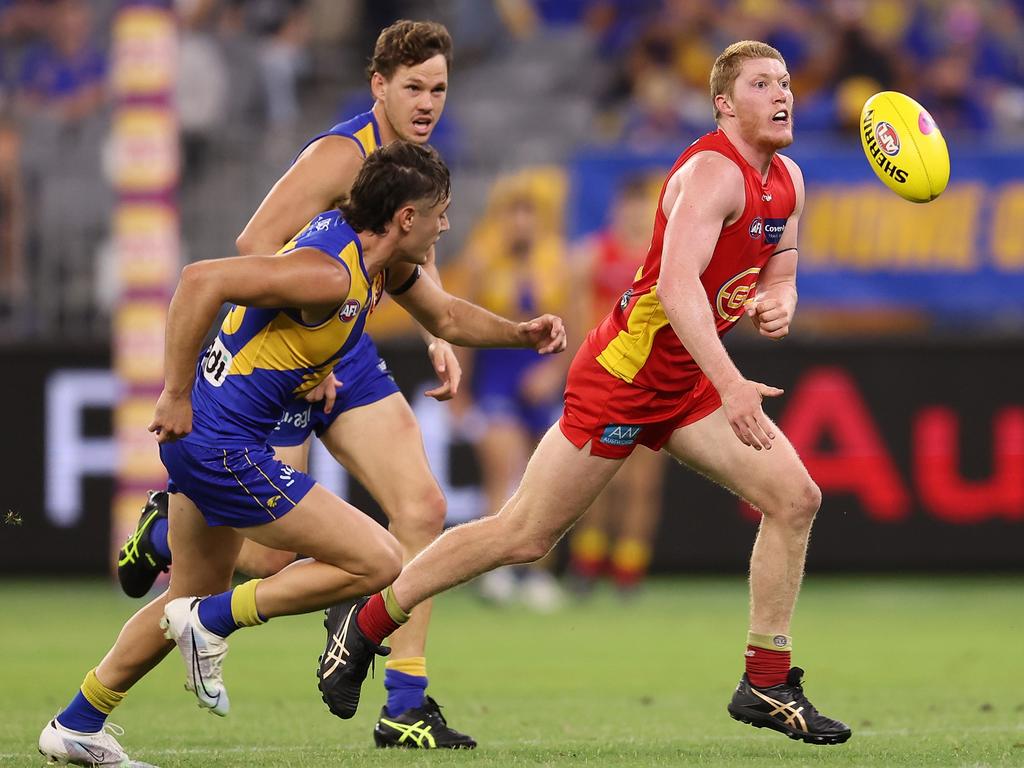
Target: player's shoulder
x,y
796,176
707,172
327,231
791,165
332,149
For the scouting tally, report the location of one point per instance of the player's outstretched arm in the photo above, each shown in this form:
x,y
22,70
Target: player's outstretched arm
x,y
469,325
772,307
305,278
442,357
702,197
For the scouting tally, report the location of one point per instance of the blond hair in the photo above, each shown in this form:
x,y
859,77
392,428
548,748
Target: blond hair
x,y
727,66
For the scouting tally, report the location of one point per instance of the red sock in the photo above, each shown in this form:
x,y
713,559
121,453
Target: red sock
x,y
374,621
766,668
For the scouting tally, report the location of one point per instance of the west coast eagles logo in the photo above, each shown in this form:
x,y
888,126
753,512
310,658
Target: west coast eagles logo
x,y
733,294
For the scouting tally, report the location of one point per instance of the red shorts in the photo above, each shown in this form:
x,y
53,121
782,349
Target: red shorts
x,y
615,416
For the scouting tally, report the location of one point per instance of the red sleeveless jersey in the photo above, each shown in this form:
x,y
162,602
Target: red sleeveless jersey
x,y
635,342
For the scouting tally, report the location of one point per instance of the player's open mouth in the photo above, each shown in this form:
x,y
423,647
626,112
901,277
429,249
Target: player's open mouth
x,y
782,116
422,124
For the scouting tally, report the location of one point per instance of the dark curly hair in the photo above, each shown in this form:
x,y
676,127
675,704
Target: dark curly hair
x,y
395,175
408,43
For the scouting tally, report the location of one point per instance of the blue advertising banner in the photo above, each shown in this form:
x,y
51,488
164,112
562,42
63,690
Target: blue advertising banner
x,y
958,258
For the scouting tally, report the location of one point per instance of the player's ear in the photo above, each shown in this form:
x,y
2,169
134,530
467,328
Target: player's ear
x,y
724,105
378,85
405,216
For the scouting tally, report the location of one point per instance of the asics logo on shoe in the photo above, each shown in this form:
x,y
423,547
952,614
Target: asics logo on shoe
x,y
416,732
790,715
337,652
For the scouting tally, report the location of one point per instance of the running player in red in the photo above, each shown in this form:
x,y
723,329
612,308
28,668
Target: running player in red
x,y
655,373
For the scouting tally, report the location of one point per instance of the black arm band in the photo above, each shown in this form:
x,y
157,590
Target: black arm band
x,y
783,251
408,283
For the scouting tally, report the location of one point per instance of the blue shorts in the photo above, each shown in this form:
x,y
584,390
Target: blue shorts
x,y
237,487
497,382
364,378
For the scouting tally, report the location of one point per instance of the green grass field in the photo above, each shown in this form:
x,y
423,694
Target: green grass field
x,y
928,672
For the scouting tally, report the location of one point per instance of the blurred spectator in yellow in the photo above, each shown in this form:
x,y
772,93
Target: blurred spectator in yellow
x,y
515,264
615,537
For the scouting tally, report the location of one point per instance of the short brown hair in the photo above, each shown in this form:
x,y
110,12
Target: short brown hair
x,y
396,174
727,66
408,43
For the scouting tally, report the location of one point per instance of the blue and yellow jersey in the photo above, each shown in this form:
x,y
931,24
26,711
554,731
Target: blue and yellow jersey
x,y
362,129
264,357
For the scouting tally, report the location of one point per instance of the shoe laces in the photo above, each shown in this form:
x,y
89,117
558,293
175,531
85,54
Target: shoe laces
x,y
431,706
214,656
107,738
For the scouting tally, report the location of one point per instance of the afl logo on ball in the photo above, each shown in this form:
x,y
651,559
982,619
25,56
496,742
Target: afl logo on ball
x,y
888,139
349,311
755,228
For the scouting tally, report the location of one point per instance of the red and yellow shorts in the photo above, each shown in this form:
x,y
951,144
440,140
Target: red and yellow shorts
x,y
615,416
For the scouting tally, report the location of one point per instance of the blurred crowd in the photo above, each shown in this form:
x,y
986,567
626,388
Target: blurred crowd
x,y
258,76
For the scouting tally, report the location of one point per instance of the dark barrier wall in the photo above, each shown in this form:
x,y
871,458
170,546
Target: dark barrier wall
x,y
919,452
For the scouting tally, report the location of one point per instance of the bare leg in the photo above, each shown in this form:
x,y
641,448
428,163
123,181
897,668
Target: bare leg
x,y
777,483
381,446
350,555
204,558
255,559
561,481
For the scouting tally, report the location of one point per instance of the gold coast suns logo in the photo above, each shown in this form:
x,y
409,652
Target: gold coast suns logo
x,y
733,294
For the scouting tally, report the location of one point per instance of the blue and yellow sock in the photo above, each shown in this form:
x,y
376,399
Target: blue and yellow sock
x,y
406,684
224,613
88,711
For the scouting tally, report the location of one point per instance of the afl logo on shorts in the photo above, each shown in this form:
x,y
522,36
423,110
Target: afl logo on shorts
x,y
733,295
755,228
888,139
349,311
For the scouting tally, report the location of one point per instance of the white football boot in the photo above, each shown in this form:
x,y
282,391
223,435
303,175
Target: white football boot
x,y
62,746
202,651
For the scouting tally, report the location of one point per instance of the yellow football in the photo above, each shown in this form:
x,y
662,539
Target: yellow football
x,y
904,146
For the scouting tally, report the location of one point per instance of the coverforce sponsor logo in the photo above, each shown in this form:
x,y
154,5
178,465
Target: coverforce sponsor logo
x,y
734,294
878,154
773,229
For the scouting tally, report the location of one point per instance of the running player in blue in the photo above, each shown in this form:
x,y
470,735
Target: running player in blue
x,y
294,315
371,429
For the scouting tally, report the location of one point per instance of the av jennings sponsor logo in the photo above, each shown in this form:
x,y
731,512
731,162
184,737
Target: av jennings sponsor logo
x,y
620,434
883,142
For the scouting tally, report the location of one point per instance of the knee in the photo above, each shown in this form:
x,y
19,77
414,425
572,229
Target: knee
x,y
385,564
800,505
417,522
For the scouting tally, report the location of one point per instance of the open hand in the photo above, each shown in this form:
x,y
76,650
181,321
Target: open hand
x,y
546,334
326,390
742,404
446,366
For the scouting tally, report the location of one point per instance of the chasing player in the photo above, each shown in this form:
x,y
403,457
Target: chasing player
x,y
371,429
655,373
295,314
